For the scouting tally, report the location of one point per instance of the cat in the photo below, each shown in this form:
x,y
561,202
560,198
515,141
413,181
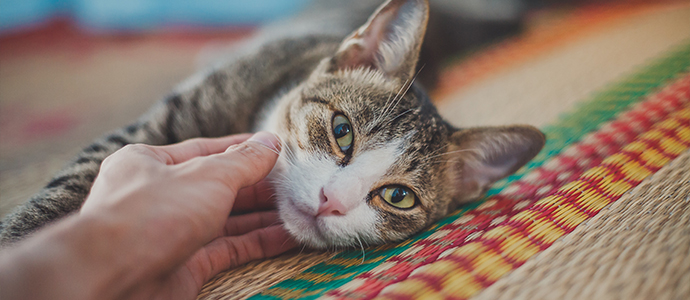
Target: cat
x,y
366,156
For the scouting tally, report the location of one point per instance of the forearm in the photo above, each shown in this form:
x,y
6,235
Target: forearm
x,y
81,257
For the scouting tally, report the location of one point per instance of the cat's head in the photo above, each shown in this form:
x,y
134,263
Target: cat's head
x,y
367,159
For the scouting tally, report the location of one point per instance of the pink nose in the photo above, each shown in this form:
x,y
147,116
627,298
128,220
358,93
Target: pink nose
x,y
330,206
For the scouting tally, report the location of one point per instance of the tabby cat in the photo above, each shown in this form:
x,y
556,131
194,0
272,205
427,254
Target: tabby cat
x,y
366,156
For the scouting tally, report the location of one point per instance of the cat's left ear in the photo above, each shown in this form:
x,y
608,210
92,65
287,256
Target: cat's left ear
x,y
390,41
478,157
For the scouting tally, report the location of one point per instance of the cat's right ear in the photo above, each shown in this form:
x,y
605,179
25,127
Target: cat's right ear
x,y
478,157
390,41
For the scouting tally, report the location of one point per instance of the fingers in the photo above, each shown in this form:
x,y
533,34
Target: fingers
x,y
247,163
262,243
239,225
259,196
184,151
229,252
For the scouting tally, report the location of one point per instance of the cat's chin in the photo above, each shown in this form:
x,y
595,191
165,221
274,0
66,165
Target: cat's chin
x,y
303,227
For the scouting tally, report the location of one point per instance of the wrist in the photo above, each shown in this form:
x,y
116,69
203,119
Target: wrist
x,y
63,261
80,257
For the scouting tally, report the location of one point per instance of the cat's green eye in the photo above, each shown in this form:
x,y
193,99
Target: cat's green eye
x,y
398,196
342,130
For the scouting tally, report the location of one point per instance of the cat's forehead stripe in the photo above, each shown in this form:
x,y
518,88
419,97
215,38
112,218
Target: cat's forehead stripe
x,y
317,100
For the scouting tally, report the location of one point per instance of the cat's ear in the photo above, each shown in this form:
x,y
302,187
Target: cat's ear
x,y
479,157
390,41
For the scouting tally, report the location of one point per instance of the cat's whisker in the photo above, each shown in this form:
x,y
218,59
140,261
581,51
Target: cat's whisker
x,y
273,147
302,250
291,153
360,244
407,86
289,159
385,108
432,153
412,81
453,152
398,98
290,156
389,105
274,224
285,147
448,161
272,196
284,242
398,116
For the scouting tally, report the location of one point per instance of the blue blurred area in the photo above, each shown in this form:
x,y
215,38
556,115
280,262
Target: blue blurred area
x,y
145,14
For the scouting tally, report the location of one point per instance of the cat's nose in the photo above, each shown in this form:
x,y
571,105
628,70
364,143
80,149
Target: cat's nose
x,y
330,206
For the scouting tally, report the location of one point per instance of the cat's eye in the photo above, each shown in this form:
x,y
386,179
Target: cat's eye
x,y
342,130
398,196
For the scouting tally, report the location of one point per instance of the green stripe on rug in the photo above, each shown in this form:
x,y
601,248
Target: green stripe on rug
x,y
569,128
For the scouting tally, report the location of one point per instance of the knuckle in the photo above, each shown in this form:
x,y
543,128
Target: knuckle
x,y
260,242
128,160
202,147
201,144
120,154
203,164
251,155
134,149
233,252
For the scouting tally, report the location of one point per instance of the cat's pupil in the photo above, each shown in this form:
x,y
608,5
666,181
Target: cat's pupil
x,y
341,130
398,195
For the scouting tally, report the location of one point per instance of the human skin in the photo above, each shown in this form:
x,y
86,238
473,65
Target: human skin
x,y
156,225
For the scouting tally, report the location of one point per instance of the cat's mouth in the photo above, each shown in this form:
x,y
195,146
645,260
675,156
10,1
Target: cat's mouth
x,y
305,227
318,231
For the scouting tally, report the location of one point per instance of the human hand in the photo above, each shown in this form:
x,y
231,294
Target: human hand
x,y
180,196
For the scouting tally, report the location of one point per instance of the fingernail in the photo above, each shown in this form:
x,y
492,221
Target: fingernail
x,y
267,139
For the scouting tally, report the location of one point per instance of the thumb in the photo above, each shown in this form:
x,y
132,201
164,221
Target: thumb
x,y
247,163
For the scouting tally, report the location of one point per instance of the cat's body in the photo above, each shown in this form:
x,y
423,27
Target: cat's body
x,y
366,156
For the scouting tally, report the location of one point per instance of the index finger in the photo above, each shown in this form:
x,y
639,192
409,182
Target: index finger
x,y
242,165
184,151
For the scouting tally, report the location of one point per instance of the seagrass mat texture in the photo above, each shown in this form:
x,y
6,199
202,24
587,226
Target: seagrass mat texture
x,y
636,248
249,279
